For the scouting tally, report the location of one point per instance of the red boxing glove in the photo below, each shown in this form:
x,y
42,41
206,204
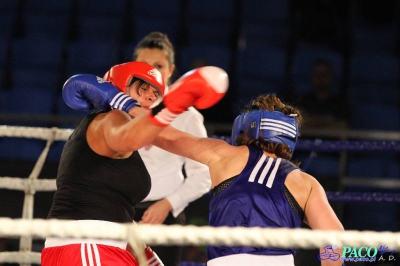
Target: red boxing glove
x,y
202,88
152,258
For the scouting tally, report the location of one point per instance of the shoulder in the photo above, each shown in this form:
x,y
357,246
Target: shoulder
x,y
109,120
300,180
114,116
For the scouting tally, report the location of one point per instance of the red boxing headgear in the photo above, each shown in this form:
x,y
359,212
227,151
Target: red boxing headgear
x,y
121,75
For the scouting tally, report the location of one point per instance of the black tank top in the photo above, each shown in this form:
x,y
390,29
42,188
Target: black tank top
x,y
94,187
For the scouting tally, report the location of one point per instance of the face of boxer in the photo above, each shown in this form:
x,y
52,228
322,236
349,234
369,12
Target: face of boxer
x,y
143,93
158,59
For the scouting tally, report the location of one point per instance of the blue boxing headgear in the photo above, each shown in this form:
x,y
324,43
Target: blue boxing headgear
x,y
271,126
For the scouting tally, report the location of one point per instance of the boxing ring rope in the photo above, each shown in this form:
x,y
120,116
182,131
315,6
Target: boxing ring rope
x,y
28,228
193,235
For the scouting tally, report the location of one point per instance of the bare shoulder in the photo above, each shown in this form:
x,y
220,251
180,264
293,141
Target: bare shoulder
x,y
300,178
98,128
228,151
231,162
115,117
300,185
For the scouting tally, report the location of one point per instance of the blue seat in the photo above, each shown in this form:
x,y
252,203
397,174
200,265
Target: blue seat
x,y
374,166
374,67
47,26
7,19
28,100
48,7
8,10
101,28
144,25
45,18
21,148
374,93
374,38
211,10
7,25
35,77
102,8
37,52
262,62
36,62
374,78
302,62
264,33
368,37
213,55
206,32
265,22
370,216
208,23
55,151
272,10
3,51
29,105
101,20
248,88
375,116
159,16
157,9
89,57
323,165
260,69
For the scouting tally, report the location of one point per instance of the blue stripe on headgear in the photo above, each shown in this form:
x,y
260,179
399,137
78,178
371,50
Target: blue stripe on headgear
x,y
272,126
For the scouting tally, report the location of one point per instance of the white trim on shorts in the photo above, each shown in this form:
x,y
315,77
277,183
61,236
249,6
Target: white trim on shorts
x,y
56,241
249,259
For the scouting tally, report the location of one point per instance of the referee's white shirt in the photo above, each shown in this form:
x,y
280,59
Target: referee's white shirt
x,y
165,168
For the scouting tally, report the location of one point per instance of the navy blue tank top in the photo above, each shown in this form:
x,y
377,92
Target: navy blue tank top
x,y
255,198
94,187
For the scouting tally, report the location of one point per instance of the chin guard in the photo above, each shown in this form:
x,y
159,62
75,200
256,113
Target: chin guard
x,y
271,126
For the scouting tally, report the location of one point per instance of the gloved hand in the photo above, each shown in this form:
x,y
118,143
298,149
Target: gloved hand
x,y
152,258
85,92
202,88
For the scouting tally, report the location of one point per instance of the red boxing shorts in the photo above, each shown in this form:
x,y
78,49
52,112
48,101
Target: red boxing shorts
x,y
87,254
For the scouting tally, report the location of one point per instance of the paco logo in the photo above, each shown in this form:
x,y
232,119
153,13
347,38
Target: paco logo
x,y
362,252
354,254
329,254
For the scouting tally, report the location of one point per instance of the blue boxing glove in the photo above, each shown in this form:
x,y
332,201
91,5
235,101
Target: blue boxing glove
x,y
84,92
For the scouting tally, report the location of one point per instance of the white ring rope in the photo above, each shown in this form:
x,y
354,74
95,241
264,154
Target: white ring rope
x,y
196,235
24,184
136,234
35,132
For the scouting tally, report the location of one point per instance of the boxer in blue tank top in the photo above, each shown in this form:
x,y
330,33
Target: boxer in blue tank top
x,y
256,183
242,202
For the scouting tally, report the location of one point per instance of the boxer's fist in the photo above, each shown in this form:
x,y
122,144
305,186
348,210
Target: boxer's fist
x,y
85,92
202,88
152,258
